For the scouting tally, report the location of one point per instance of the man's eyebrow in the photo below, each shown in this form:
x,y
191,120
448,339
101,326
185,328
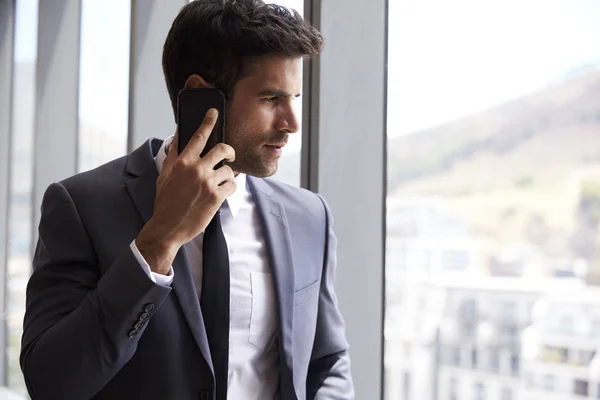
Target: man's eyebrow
x,y
275,93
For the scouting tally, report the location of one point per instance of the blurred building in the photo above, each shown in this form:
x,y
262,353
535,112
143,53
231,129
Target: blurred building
x,y
462,337
423,241
560,353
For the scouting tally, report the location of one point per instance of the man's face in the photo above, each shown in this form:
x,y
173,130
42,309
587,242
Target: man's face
x,y
260,114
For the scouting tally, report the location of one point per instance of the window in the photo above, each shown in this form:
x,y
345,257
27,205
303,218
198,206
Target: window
x,y
482,120
468,310
494,361
581,387
548,383
20,223
508,310
474,358
564,355
103,82
582,357
479,392
455,356
455,259
566,326
289,164
453,391
514,364
450,355
506,394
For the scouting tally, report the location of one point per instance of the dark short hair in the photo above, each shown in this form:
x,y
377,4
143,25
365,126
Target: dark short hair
x,y
217,39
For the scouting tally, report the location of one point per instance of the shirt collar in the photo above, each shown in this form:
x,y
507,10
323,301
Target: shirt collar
x,y
234,201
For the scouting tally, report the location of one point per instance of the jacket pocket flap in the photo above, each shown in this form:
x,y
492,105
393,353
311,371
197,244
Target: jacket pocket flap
x,y
306,293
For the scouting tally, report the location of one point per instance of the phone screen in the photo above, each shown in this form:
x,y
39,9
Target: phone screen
x,y
192,106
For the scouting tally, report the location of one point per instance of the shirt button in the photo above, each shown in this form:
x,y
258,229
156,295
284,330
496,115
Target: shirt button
x,y
149,307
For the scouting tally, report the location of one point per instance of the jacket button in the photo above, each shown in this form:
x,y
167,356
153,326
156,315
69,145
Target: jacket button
x,y
144,316
149,307
205,395
133,333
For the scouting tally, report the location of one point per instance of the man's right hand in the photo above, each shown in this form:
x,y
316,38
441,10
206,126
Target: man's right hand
x,y
189,191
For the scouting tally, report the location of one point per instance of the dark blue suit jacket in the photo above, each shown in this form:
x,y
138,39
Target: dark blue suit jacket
x,y
97,328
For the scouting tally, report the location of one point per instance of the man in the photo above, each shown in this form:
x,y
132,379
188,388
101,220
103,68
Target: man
x,y
158,277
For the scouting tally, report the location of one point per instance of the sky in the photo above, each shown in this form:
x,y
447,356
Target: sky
x,y
446,59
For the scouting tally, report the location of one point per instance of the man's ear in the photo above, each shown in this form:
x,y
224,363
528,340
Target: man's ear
x,y
197,82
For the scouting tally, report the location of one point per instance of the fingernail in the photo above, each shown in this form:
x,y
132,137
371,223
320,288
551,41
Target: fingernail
x,y
212,112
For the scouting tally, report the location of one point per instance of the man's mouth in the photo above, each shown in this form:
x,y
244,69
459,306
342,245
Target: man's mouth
x,y
276,146
275,150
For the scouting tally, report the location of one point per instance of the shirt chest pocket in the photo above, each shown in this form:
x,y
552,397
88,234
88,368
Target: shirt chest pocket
x,y
263,314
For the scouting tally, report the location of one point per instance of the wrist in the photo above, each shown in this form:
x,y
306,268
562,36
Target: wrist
x,y
158,250
153,233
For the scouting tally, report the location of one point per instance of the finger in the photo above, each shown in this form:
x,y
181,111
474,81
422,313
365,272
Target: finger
x,y
227,188
171,156
175,143
198,140
223,175
219,153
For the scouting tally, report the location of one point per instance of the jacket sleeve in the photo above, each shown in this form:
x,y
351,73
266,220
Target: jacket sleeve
x,y
329,376
80,328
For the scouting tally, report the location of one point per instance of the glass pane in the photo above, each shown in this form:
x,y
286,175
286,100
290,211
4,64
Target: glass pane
x,y
21,182
103,81
290,163
493,207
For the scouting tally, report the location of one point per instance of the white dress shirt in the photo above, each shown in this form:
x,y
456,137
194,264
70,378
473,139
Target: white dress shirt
x,y
253,344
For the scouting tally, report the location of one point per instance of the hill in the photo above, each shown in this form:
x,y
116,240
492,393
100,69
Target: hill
x,y
524,173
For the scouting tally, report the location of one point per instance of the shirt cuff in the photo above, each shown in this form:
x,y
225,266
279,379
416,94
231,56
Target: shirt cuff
x,y
159,279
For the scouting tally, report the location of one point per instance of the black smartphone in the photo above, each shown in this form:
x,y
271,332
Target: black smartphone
x,y
192,106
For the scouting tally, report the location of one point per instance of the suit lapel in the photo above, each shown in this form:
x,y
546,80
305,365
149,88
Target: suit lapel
x,y
142,190
279,244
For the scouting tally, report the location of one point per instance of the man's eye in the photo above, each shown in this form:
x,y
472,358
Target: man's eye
x,y
271,99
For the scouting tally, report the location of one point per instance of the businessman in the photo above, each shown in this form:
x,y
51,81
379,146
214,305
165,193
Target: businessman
x,y
157,276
